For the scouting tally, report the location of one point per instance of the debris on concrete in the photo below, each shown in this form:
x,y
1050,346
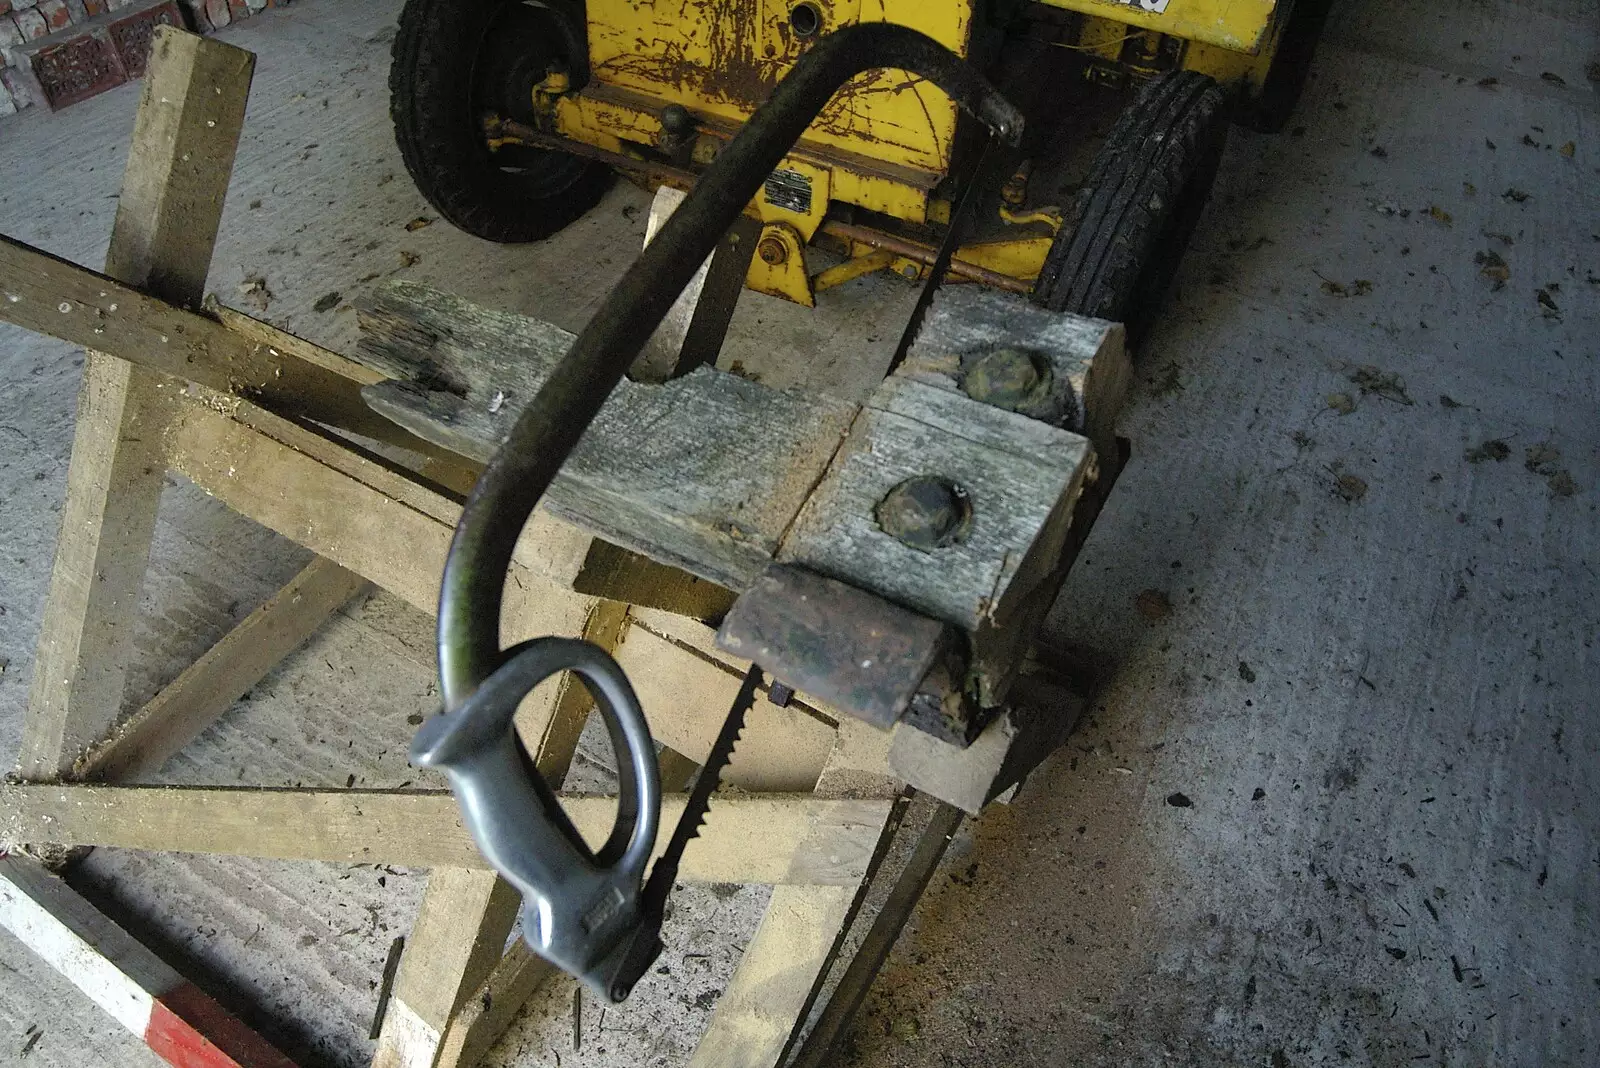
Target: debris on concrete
x,y
1493,267
1493,449
1351,487
253,291
1385,384
1544,459
1153,605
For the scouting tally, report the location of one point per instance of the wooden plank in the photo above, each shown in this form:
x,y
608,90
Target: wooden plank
x,y
62,300
495,1005
784,965
320,384
1035,723
209,687
179,1023
184,138
822,1046
1021,477
770,838
620,574
695,326
704,472
399,544
459,937
771,986
307,486
686,699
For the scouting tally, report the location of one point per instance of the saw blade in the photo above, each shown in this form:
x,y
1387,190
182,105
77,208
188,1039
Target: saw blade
x,y
665,871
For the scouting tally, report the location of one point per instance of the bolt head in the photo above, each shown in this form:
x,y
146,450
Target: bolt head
x,y
772,250
927,512
1009,378
676,120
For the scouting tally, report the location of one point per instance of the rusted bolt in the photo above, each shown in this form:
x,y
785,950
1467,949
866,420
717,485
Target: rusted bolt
x,y
1008,378
772,250
926,513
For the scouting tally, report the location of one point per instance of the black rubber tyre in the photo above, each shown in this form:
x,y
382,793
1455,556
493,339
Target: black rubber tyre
x,y
1116,254
455,60
1270,111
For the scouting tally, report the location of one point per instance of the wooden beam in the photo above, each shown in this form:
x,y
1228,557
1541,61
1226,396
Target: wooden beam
x,y
1088,375
710,488
773,982
777,838
485,1016
182,151
822,1046
692,333
62,300
366,516
1022,478
459,937
784,965
209,687
686,699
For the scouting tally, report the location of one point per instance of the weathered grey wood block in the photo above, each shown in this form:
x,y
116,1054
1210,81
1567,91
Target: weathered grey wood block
x,y
1088,356
704,472
720,476
1021,477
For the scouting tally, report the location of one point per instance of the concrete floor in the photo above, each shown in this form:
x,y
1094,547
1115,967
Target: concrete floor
x,y
1373,687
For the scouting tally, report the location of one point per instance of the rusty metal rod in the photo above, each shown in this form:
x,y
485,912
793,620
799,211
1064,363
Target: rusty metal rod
x,y
923,254
524,134
900,246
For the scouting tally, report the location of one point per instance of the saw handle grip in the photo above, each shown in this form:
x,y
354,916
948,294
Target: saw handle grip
x,y
577,903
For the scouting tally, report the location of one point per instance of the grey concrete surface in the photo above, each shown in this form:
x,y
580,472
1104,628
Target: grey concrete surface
x,y
1390,644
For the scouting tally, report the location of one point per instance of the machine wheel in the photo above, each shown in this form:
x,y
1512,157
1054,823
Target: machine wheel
x,y
1270,110
454,61
1117,253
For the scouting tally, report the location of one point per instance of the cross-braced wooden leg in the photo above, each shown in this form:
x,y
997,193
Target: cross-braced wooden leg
x,y
177,177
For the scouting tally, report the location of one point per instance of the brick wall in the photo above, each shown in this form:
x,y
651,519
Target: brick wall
x,y
43,42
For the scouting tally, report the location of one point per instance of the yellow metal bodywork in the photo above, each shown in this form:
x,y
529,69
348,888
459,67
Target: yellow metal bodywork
x,y
722,58
1237,25
886,141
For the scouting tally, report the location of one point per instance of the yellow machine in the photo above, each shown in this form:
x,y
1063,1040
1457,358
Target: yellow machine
x,y
513,115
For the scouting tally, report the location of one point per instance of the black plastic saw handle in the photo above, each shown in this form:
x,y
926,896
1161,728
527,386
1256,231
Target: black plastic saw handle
x,y
579,907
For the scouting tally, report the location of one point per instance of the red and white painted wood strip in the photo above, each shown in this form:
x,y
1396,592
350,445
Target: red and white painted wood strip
x,y
176,1019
